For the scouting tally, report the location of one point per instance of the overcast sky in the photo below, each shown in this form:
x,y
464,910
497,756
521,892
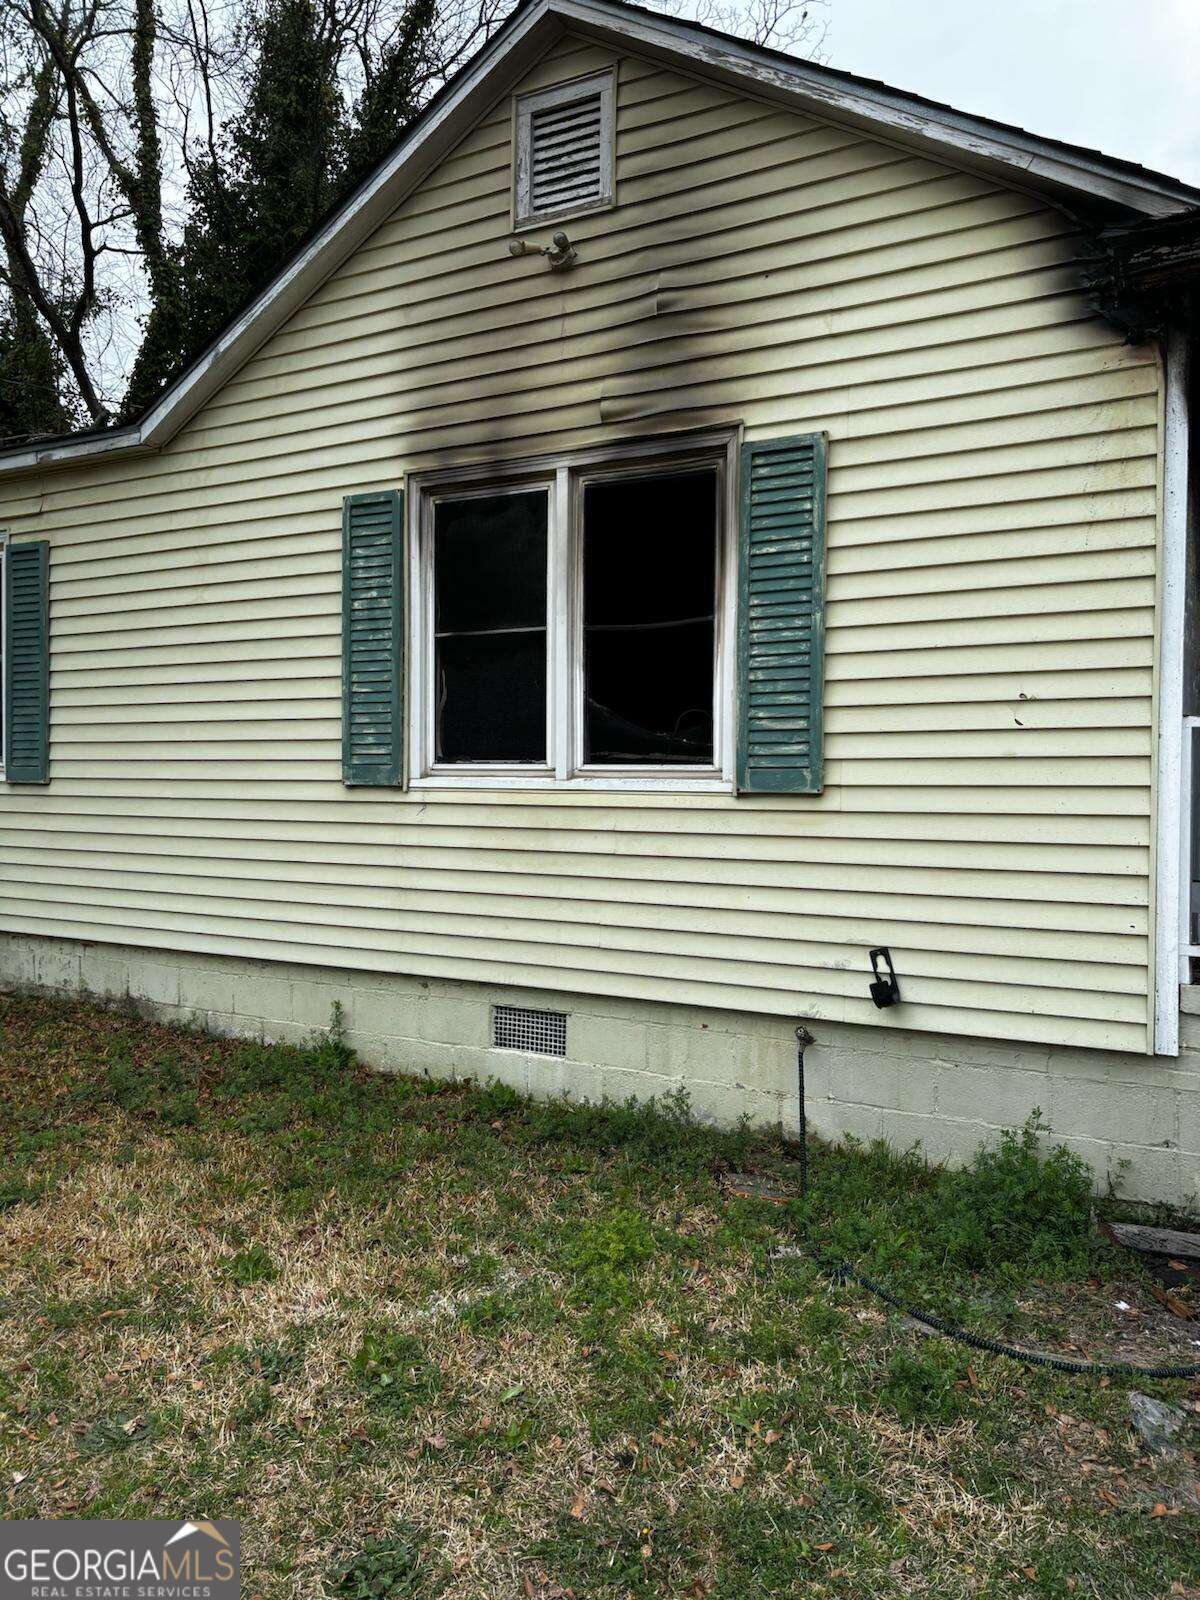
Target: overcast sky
x,y
1122,76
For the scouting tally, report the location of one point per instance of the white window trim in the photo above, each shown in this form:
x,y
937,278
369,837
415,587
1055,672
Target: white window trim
x,y
563,479
524,107
3,636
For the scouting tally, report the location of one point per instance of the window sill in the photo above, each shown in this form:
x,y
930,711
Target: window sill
x,y
588,783
552,219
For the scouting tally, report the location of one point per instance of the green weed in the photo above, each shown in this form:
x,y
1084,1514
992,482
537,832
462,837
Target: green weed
x,y
252,1265
384,1569
394,1372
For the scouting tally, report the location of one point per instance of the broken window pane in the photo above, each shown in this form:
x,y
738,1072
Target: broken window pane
x,y
489,556
649,603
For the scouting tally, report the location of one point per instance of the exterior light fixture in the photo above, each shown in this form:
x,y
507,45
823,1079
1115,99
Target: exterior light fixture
x,y
559,253
885,991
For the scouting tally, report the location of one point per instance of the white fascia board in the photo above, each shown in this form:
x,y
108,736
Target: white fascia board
x,y
1014,157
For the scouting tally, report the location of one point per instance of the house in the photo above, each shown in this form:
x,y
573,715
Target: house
x,y
692,519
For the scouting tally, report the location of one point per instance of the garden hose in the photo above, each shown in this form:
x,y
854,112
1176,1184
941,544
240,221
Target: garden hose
x,y
842,1272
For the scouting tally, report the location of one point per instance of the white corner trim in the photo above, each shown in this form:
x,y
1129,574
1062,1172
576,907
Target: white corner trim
x,y
1170,832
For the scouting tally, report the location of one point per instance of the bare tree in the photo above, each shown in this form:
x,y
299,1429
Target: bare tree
x,y
95,97
797,27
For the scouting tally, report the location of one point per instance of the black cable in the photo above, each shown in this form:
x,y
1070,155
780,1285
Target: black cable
x,y
803,1040
842,1272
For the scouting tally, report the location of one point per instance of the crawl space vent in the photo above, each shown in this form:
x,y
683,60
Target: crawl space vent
x,y
538,1033
565,156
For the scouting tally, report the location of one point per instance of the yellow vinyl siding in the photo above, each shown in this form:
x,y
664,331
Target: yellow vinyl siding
x,y
992,529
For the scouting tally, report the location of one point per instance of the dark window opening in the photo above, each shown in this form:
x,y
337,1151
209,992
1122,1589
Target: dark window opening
x,y
489,556
649,608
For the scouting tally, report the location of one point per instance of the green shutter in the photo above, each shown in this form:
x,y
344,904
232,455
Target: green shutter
x,y
372,635
27,662
781,616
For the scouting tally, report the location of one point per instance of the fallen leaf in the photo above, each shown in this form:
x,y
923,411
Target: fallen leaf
x,y
1172,1302
577,1505
828,1545
1030,1573
736,1480
1158,1509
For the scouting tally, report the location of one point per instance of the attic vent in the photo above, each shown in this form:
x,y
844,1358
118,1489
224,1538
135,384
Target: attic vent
x,y
538,1033
564,150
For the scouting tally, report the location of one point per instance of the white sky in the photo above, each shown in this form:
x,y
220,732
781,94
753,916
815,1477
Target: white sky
x,y
1122,76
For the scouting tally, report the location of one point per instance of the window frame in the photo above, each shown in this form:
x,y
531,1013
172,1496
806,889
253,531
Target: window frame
x,y
524,107
565,478
482,491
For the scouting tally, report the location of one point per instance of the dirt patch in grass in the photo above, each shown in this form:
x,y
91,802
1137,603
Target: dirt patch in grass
x,y
1117,1319
426,1340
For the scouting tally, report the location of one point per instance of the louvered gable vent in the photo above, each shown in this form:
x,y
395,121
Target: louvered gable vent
x,y
565,156
564,150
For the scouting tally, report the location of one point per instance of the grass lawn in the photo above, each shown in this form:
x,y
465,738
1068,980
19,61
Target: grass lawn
x,y
424,1340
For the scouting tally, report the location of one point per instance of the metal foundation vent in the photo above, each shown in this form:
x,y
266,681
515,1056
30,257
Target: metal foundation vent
x,y
537,1033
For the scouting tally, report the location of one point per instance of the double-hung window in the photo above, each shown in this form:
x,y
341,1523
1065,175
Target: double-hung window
x,y
574,626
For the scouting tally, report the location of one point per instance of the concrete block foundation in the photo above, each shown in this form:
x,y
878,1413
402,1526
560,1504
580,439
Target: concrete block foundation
x,y
1135,1119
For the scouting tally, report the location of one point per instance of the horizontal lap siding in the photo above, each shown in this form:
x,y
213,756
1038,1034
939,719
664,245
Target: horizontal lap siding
x,y
992,520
